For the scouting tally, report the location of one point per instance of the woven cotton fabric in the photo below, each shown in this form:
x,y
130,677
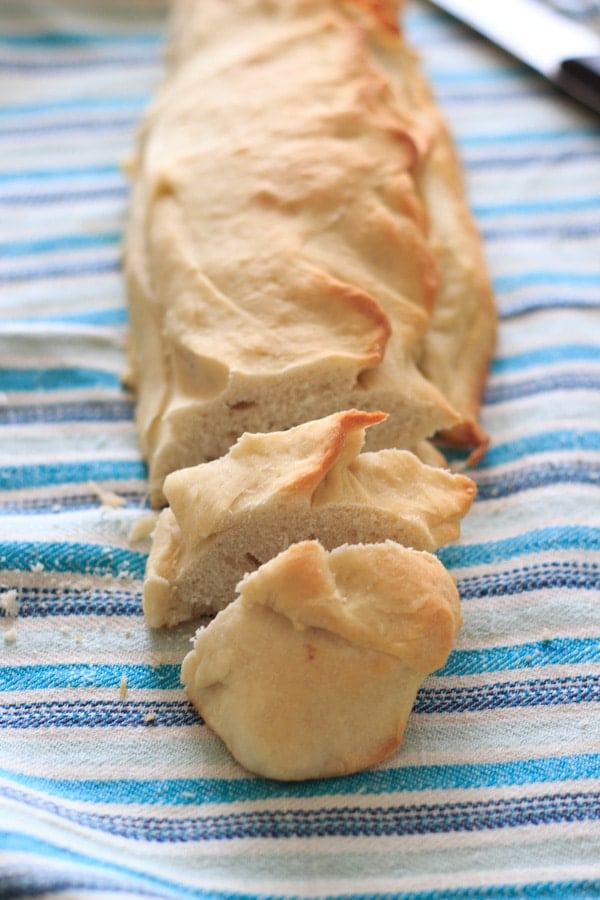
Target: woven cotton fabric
x,y
110,785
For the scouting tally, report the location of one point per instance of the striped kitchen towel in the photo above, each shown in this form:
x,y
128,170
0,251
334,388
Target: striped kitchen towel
x,y
109,783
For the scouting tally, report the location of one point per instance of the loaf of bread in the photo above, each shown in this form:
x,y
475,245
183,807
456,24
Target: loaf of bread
x,y
228,516
313,670
299,241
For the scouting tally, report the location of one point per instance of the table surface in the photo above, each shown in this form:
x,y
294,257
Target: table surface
x,y
109,784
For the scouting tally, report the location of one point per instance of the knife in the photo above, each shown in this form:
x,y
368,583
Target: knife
x,y
563,51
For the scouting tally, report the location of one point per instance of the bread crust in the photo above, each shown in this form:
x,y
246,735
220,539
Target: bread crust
x,y
461,335
313,670
281,267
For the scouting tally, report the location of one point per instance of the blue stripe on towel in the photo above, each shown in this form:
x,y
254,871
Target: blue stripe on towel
x,y
98,714
549,576
57,379
84,559
59,242
44,602
200,791
96,410
350,821
19,477
540,540
534,692
59,173
28,678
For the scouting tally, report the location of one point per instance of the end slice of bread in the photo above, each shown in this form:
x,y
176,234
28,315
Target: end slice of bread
x,y
313,670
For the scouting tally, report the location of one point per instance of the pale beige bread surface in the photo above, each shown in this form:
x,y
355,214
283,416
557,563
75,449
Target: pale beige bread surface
x,y
313,670
296,212
228,516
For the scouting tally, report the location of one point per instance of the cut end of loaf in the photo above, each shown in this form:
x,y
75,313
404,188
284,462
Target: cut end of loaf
x,y
313,670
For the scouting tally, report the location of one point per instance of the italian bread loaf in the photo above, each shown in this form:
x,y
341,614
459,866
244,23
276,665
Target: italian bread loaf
x,y
229,516
313,670
299,242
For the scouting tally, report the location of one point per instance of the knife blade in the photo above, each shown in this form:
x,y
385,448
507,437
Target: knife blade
x,y
566,53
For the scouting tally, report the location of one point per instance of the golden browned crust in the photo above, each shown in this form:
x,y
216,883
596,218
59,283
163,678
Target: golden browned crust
x,y
282,267
461,335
